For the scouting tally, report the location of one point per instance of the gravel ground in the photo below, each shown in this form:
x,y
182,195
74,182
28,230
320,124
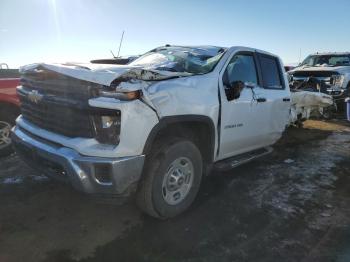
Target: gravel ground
x,y
292,205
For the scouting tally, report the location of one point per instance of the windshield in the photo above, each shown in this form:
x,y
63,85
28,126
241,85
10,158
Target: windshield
x,y
181,59
327,60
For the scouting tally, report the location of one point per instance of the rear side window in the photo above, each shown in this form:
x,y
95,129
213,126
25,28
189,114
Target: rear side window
x,y
270,70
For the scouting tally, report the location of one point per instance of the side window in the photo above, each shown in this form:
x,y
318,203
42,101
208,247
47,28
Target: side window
x,y
240,71
270,70
242,68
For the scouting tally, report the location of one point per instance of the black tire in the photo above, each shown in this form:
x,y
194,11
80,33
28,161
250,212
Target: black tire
x,y
328,112
8,117
150,192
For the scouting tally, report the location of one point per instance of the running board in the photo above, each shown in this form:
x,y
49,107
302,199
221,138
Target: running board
x,y
238,160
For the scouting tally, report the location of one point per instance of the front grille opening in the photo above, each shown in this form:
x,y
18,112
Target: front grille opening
x,y
53,83
314,73
63,108
57,118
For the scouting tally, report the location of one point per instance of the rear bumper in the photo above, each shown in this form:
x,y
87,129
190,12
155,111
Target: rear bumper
x,y
93,175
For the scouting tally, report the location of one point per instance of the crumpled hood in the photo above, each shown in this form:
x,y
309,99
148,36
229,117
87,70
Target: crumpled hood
x,y
103,74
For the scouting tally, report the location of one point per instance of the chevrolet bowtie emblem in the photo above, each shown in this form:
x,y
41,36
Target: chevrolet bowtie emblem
x,y
34,96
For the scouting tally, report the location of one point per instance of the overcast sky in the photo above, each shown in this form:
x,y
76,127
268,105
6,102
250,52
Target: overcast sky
x,y
80,30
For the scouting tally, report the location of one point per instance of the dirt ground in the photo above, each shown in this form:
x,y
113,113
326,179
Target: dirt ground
x,y
292,205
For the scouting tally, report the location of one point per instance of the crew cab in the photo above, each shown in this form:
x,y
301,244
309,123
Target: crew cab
x,y
155,126
9,106
327,73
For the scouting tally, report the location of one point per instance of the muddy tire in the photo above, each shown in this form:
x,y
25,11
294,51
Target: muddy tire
x,y
171,179
328,112
7,121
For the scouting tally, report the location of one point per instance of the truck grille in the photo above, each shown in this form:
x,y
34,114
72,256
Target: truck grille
x,y
314,73
59,104
61,86
63,106
57,118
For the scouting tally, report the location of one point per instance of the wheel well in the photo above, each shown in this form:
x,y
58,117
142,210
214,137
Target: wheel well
x,y
200,131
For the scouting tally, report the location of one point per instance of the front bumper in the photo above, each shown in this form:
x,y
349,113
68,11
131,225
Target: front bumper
x,y
93,175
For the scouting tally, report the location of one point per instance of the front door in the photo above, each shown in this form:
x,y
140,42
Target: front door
x,y
240,131
256,116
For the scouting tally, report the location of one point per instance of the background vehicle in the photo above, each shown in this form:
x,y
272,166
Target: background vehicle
x,y
288,68
328,73
9,106
154,126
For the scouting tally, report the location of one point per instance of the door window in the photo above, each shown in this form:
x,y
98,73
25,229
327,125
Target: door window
x,y
270,70
242,68
240,71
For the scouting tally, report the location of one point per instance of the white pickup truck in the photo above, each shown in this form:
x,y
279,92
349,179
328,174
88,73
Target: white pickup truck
x,y
328,73
155,126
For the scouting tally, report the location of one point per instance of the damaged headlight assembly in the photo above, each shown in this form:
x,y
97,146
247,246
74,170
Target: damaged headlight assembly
x,y
120,94
107,122
337,80
107,126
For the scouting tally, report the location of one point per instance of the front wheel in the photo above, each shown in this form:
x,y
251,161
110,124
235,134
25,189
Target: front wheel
x,y
171,180
7,121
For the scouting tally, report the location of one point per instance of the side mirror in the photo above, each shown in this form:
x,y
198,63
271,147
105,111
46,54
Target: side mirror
x,y
233,90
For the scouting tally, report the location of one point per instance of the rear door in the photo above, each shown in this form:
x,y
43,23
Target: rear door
x,y
275,111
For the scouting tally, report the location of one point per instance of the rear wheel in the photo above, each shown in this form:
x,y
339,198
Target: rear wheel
x,y
172,177
7,121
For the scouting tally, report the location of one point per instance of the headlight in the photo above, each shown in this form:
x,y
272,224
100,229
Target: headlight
x,y
109,121
107,126
337,80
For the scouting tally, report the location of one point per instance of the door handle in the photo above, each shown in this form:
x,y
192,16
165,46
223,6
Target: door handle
x,y
261,99
286,99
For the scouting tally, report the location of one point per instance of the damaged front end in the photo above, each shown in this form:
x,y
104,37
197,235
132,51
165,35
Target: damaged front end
x,y
64,104
327,82
327,73
306,104
89,103
89,123
60,104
